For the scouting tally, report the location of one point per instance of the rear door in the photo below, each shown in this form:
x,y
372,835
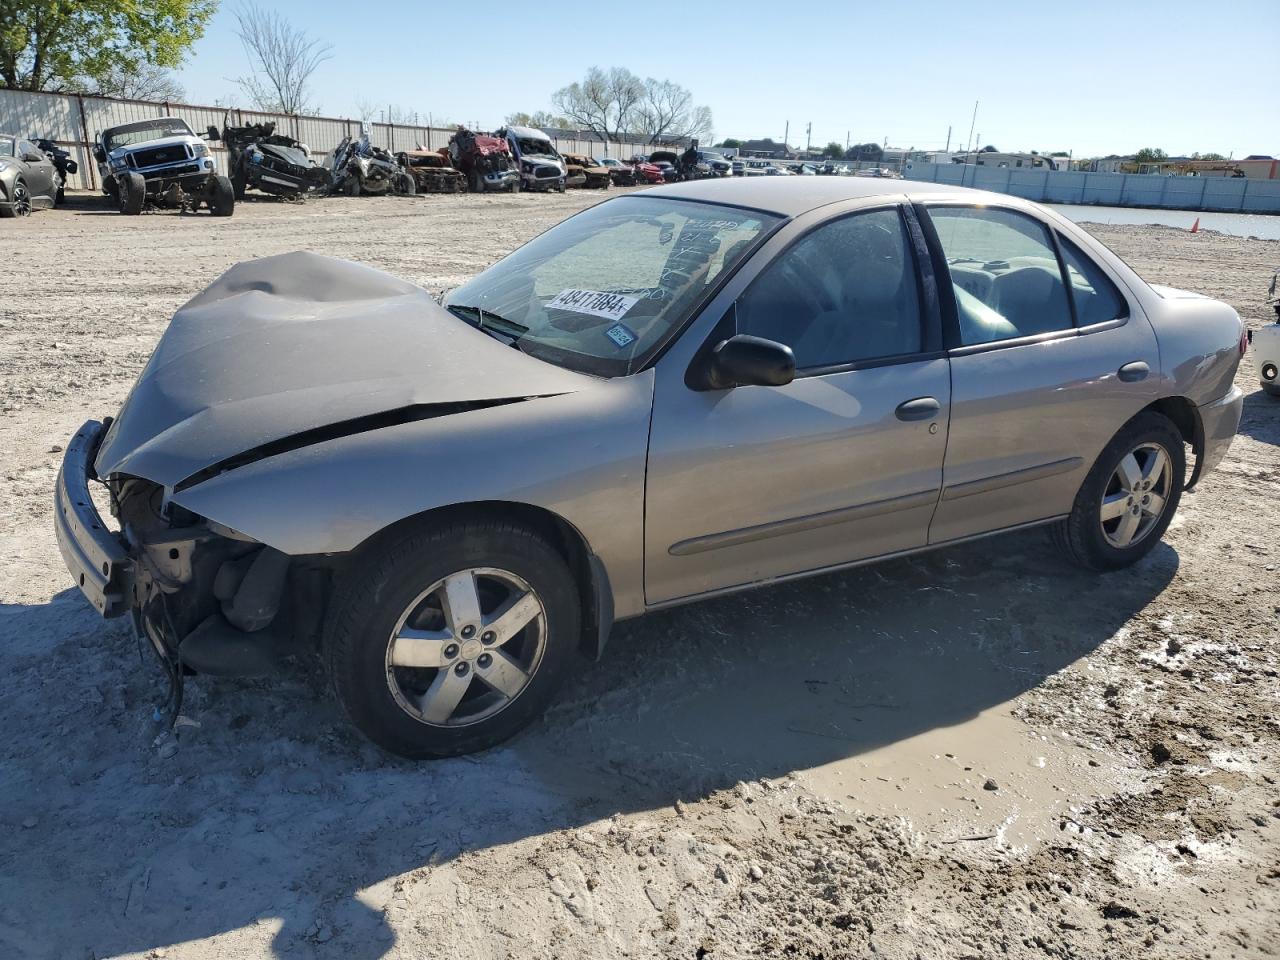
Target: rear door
x,y
1044,371
845,462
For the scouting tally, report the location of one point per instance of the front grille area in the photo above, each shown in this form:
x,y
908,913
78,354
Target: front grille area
x,y
546,173
158,155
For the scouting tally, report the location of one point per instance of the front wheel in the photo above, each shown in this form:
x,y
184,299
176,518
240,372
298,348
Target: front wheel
x,y
132,193
1129,496
449,639
222,197
407,185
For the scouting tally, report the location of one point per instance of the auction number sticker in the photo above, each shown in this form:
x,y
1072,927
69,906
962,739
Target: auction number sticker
x,y
611,306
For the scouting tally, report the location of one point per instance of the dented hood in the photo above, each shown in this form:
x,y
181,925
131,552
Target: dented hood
x,y
286,345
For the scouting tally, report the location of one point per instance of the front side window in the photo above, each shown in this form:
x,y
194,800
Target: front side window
x,y
604,290
6,146
845,292
1004,271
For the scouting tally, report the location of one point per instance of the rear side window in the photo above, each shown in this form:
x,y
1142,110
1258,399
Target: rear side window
x,y
1096,298
1004,271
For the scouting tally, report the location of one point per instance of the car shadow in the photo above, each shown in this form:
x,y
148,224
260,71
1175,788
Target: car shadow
x,y
1260,418
274,813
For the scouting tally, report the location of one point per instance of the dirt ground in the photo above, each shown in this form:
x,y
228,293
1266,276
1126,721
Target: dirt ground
x,y
977,753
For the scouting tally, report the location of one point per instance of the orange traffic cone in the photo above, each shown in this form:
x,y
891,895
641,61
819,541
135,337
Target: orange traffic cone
x,y
1195,227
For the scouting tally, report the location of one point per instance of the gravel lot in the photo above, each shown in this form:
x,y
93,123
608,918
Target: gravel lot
x,y
981,752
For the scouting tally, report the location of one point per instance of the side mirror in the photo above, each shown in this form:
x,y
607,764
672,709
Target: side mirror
x,y
33,156
212,133
99,154
744,361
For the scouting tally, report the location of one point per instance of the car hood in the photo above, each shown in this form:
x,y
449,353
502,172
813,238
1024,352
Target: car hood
x,y
278,352
153,144
291,155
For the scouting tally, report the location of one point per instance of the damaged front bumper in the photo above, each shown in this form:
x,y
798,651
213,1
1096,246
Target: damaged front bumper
x,y
97,558
203,595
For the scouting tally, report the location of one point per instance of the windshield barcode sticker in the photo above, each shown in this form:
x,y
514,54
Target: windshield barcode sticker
x,y
611,306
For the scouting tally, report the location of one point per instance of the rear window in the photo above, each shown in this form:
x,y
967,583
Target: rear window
x,y
1096,298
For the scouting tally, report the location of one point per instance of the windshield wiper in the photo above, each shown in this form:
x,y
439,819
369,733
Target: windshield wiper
x,y
500,328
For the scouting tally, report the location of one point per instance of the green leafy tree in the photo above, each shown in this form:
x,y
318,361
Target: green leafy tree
x,y
62,44
730,144
833,150
1150,155
1207,156
865,152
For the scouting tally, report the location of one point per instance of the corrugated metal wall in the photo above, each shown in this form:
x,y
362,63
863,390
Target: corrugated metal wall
x,y
1218,194
74,122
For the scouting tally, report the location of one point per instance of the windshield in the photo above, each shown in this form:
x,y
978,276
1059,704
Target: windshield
x,y
536,146
604,290
145,130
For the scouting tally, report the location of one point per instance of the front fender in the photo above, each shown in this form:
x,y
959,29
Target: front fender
x,y
579,455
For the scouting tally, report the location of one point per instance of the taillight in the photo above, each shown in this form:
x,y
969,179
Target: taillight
x,y
1244,339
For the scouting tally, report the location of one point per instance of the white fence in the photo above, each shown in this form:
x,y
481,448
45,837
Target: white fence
x,y
1221,194
74,122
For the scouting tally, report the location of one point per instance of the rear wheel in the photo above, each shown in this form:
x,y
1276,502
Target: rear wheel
x,y
222,197
1129,496
132,193
352,187
407,185
240,181
449,639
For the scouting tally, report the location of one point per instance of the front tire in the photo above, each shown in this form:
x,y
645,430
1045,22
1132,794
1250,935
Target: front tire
x,y
132,193
222,197
1129,496
450,638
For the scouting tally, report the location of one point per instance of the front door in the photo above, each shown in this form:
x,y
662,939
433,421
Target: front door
x,y
754,483
1043,372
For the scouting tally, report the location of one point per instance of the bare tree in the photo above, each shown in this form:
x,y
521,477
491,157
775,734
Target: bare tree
x,y
146,82
282,58
667,112
604,102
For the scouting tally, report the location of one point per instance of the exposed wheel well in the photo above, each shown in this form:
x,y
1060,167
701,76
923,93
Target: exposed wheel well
x,y
596,596
1184,415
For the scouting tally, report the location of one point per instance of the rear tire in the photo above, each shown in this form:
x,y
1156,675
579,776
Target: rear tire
x,y
407,185
383,598
1111,524
240,181
222,197
132,193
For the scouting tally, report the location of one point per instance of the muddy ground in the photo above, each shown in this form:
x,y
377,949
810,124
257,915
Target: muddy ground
x,y
981,752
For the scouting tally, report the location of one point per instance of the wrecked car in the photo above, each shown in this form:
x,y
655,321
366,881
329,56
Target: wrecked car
x,y
62,162
357,167
161,163
585,172
431,171
485,161
672,395
623,174
1266,344
540,166
259,157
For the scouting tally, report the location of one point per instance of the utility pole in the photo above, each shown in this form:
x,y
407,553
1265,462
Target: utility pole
x,y
846,141
948,150
785,135
972,123
808,136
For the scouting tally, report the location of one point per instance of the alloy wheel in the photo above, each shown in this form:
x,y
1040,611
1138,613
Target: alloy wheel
x,y
21,200
1135,496
466,647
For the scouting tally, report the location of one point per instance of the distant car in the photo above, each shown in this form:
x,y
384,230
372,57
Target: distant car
x,y
622,174
648,172
1266,345
713,164
676,394
777,170
160,162
807,170
28,178
670,173
739,167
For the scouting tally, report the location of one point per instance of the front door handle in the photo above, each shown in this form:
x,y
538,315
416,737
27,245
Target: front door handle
x,y
921,408
1133,372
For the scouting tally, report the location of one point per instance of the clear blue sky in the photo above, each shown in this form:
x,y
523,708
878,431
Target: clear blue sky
x,y
1091,77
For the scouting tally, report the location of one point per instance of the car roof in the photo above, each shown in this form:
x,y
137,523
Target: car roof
x,y
791,197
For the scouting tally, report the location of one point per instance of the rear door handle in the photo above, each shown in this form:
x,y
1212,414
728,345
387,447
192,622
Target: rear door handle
x,y
921,408
1133,372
